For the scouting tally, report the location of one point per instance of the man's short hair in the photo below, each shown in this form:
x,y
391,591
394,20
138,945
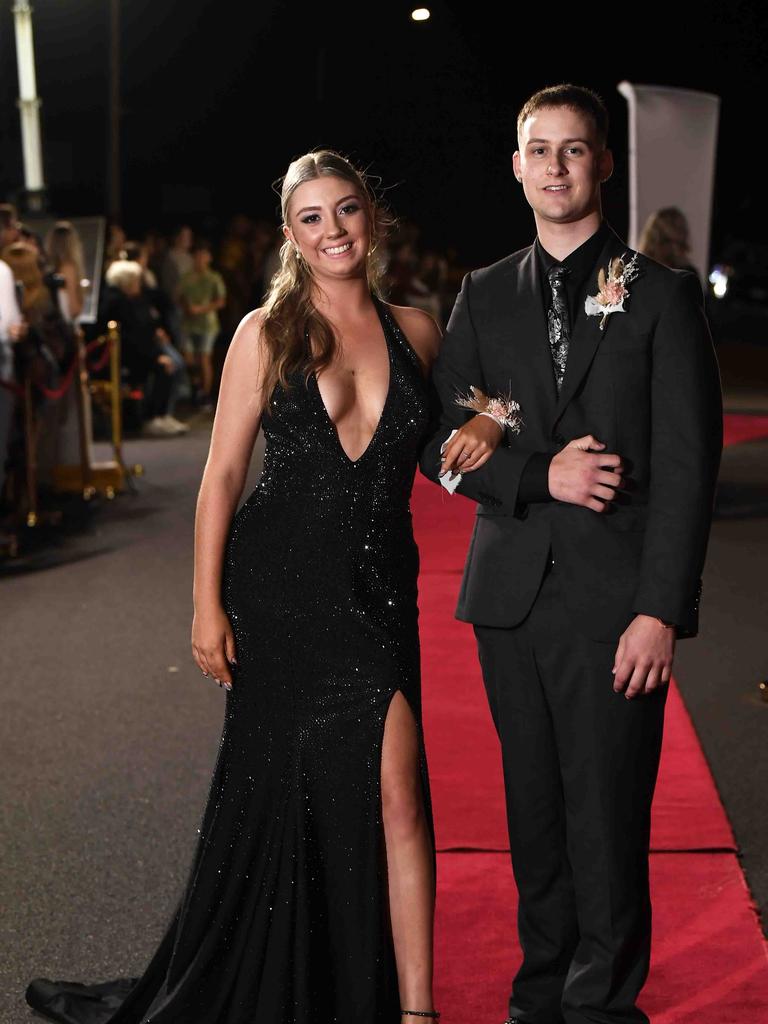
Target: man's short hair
x,y
576,97
201,245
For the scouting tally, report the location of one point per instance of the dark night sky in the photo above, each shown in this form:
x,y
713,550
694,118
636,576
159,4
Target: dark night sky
x,y
218,97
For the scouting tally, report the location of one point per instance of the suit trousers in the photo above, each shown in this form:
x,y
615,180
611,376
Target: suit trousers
x,y
580,765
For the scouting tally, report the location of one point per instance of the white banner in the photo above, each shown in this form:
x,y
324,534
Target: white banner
x,y
672,145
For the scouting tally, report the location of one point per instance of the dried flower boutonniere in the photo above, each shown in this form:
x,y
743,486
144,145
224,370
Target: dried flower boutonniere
x,y
612,291
504,409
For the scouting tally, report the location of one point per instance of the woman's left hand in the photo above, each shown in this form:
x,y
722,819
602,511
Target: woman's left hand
x,y
472,445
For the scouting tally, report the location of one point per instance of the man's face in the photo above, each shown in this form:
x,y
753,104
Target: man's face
x,y
561,163
202,259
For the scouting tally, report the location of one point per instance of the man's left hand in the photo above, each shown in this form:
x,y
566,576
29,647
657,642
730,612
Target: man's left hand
x,y
643,657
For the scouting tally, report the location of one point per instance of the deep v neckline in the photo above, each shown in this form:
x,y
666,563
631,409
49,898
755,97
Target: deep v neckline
x,y
333,428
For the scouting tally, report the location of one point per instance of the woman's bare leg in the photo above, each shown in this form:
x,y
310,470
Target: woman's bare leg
x,y
409,858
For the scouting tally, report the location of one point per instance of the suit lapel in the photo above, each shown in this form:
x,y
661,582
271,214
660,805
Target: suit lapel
x,y
586,336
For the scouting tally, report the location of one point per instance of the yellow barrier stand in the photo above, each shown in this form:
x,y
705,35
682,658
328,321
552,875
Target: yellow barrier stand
x,y
110,476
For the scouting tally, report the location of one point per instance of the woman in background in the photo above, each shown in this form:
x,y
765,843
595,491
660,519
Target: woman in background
x,y
65,254
666,239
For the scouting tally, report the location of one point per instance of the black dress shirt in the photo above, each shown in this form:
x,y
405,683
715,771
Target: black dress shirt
x,y
534,482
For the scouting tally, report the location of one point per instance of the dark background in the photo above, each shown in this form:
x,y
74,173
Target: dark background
x,y
217,97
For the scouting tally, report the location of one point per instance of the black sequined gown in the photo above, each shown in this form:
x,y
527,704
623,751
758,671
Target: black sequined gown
x,y
285,915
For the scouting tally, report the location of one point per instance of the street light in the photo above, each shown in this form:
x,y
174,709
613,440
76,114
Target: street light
x,y
29,106
420,14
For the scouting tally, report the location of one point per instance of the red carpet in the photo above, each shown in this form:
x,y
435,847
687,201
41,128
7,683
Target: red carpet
x,y
740,427
709,956
708,964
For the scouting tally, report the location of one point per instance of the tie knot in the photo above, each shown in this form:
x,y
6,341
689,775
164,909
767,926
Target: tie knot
x,y
557,274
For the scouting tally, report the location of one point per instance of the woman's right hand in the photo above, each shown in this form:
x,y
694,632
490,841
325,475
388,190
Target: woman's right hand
x,y
213,644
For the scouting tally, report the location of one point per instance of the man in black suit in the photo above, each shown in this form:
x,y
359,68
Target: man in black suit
x,y
586,557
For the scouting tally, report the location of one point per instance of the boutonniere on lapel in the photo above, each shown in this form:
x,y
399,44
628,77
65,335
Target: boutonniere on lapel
x,y
502,408
612,290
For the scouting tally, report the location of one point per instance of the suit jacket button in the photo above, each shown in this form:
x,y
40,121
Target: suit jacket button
x,y
559,439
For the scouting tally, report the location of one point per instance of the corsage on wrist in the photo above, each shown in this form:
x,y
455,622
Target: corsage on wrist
x,y
503,409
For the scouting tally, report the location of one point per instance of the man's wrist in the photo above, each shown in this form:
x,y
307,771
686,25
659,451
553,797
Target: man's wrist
x,y
662,623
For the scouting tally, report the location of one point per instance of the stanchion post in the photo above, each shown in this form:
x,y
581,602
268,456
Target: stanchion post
x,y
113,340
30,444
81,370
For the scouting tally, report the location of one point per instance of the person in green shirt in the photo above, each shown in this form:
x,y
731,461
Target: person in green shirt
x,y
202,293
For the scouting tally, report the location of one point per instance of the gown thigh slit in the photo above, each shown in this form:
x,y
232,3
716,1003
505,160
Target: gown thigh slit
x,y
285,915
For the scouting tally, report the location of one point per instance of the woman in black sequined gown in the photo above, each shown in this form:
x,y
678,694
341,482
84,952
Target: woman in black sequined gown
x,y
311,894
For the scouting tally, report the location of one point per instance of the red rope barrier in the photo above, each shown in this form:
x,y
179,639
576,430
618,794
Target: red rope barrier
x,y
55,393
101,362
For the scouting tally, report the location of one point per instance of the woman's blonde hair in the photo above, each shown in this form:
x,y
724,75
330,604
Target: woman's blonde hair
x,y
63,245
665,238
290,318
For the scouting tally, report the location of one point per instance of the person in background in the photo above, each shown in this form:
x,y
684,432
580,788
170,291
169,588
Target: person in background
x,y
12,329
140,252
144,350
115,244
261,251
45,356
234,261
666,239
65,254
9,227
177,261
156,245
202,293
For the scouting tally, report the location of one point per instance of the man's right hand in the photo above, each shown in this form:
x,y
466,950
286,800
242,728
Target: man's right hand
x,y
583,474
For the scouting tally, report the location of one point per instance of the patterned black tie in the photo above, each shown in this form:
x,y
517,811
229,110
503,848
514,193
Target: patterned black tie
x,y
558,324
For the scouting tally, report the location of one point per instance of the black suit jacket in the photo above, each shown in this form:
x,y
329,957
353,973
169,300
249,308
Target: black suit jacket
x,y
647,385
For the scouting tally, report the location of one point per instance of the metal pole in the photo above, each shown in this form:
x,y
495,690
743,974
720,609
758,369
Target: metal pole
x,y
114,198
29,106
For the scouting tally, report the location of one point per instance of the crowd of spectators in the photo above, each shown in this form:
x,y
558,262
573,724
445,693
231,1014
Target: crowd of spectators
x,y
40,301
